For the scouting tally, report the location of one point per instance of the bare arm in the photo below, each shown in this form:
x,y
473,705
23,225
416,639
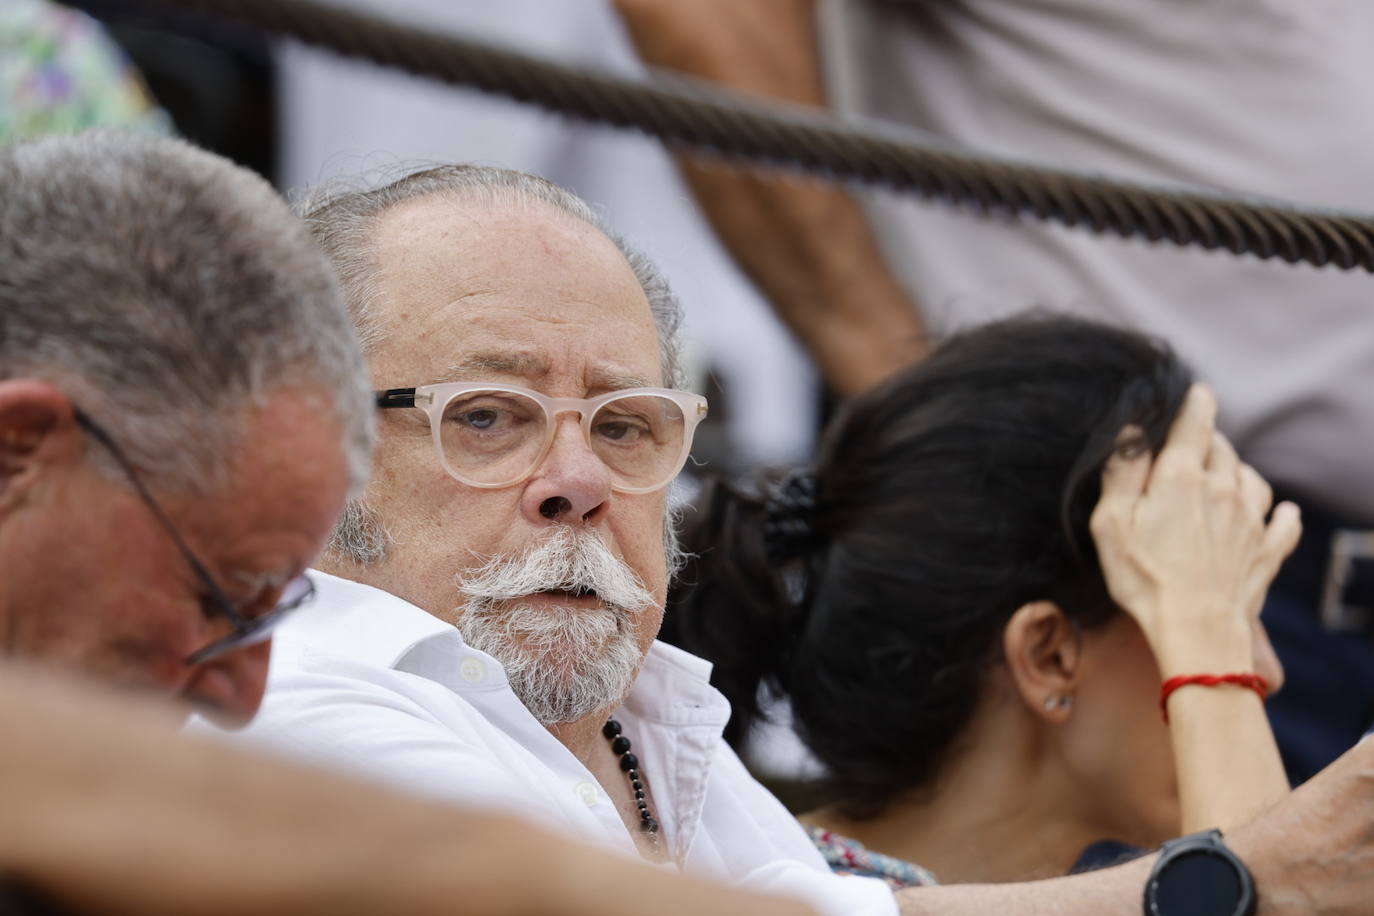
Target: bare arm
x,y
107,809
808,247
1110,892
1186,551
1313,852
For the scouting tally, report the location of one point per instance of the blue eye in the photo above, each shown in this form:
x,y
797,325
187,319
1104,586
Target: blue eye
x,y
480,419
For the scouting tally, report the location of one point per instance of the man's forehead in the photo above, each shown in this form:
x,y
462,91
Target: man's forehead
x,y
414,233
517,294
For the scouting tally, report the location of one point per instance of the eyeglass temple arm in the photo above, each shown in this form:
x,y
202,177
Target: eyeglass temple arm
x,y
395,397
207,581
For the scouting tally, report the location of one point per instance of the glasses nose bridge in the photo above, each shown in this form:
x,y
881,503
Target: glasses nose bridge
x,y
581,409
557,411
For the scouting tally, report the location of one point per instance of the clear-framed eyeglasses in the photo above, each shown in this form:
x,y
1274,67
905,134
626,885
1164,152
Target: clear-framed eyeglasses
x,y
493,436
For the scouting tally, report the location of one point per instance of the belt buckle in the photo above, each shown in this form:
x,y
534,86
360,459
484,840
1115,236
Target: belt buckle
x,y
1348,547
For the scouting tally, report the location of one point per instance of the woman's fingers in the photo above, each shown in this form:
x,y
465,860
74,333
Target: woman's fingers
x,y
1222,462
1281,536
1127,470
1191,435
1255,491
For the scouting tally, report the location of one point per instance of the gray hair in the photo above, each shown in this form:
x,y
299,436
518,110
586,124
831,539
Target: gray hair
x,y
167,291
343,218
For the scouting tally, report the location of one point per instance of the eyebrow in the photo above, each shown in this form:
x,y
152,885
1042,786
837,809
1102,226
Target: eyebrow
x,y
530,367
524,365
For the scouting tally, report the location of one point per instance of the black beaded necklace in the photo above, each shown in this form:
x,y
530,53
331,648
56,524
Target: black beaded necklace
x,y
629,763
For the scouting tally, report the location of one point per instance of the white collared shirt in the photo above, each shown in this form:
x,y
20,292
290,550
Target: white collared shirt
x,y
364,681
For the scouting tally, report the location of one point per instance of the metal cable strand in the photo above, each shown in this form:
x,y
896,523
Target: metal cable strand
x,y
687,113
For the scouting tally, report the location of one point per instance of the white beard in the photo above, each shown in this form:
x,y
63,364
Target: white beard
x,y
564,663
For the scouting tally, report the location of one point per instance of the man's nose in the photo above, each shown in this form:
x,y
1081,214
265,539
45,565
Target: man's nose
x,y
572,484
229,688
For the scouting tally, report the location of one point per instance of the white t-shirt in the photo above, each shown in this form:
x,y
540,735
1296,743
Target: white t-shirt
x,y
1269,97
364,681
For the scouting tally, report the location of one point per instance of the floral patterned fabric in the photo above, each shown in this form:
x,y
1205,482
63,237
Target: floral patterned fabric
x,y
850,857
60,72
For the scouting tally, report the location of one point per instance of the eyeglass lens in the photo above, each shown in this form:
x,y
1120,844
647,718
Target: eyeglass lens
x,y
497,437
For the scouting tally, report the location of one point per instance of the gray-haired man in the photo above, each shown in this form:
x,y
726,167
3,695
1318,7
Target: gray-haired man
x,y
489,633
182,414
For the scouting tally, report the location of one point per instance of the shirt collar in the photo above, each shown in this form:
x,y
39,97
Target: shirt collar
x,y
359,622
374,627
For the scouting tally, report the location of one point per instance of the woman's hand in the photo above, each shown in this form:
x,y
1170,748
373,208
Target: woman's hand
x,y
1184,545
1186,551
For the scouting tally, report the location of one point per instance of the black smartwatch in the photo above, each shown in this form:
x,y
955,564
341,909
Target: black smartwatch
x,y
1198,875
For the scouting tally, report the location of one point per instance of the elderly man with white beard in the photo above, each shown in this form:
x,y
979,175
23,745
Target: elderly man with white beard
x,y
486,620
497,596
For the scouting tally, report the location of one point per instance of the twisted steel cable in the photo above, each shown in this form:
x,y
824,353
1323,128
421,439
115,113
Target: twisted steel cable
x,y
687,113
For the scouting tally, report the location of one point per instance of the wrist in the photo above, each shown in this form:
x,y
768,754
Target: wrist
x,y
1200,873
1216,689
1200,645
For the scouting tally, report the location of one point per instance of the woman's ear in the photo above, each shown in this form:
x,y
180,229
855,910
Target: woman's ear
x,y
1043,650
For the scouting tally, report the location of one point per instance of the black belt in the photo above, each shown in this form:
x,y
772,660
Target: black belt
x,y
1332,569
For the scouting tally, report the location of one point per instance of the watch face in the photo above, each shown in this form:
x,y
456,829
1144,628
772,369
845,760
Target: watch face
x,y
1197,883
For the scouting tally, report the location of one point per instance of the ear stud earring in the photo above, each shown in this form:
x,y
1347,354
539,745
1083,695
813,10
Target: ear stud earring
x,y
1052,703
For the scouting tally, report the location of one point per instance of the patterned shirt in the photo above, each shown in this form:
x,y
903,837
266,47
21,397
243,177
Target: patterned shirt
x,y
850,857
60,72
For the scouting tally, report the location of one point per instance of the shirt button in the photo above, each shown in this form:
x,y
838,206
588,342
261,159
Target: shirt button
x,y
587,792
472,670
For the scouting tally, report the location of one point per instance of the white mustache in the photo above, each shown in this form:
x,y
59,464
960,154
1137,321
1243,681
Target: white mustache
x,y
565,561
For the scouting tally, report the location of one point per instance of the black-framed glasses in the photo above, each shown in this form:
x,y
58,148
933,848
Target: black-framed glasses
x,y
247,631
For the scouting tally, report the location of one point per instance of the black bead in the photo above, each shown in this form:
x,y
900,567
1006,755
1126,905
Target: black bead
x,y
629,763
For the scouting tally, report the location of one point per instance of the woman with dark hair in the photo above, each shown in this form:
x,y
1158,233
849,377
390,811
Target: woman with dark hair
x,y
980,677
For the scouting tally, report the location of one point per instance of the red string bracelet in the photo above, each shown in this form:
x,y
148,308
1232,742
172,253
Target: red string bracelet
x,y
1253,681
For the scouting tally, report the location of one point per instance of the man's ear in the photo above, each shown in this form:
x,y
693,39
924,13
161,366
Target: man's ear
x,y
1043,652
37,428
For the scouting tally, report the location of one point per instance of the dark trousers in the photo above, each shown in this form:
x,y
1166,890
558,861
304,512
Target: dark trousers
x,y
1327,702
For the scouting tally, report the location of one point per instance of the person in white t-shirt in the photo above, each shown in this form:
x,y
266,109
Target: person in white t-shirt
x,y
486,630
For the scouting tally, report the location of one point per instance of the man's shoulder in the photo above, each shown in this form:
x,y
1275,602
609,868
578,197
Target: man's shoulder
x,y
339,673
354,621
